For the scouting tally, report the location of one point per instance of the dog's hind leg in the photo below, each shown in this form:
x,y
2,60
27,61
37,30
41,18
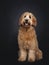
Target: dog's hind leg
x,y
39,54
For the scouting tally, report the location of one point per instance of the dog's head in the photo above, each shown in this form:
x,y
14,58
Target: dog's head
x,y
27,19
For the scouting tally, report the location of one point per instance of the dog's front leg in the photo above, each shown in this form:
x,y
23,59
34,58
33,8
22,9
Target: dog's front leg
x,y
22,55
31,56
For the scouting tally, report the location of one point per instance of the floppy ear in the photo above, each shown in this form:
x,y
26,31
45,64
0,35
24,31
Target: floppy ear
x,y
34,21
20,20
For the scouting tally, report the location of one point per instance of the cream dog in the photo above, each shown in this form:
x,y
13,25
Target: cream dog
x,y
27,38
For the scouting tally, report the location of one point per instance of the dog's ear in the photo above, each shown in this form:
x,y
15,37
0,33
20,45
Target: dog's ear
x,y
20,20
34,21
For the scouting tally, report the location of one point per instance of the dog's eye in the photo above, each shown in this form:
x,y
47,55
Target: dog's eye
x,y
24,16
30,17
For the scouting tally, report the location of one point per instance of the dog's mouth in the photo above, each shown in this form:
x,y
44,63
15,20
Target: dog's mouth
x,y
26,23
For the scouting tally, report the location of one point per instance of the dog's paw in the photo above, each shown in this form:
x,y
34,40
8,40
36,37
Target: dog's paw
x,y
21,59
31,60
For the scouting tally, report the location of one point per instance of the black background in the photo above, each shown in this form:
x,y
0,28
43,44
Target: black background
x,y
10,13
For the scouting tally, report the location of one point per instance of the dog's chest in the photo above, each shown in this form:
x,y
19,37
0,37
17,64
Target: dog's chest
x,y
27,35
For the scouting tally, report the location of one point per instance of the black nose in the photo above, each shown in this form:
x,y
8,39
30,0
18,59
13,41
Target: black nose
x,y
26,21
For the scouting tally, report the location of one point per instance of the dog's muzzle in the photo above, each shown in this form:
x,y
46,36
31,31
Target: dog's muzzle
x,y
26,22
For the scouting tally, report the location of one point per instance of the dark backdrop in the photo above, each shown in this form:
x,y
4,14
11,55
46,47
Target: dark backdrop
x,y
10,13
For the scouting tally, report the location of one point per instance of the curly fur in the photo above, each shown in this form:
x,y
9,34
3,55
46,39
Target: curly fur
x,y
27,39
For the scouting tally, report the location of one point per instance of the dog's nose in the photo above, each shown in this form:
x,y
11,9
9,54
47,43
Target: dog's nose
x,y
26,21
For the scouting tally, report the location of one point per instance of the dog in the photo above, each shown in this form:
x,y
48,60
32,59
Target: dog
x,y
27,38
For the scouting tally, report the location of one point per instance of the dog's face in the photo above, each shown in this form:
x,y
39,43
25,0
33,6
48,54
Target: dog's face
x,y
27,19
